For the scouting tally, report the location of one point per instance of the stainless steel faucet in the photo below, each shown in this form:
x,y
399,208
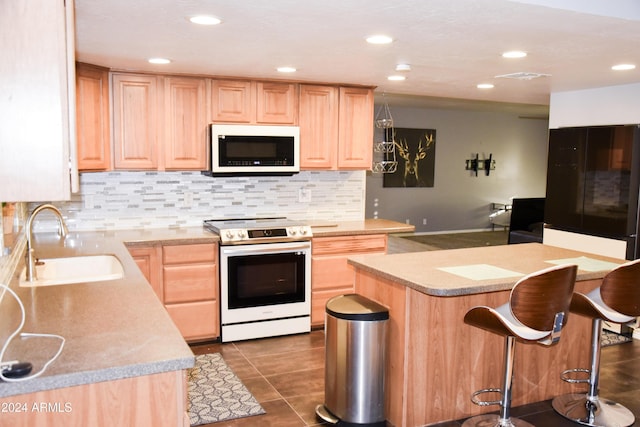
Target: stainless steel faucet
x,y
30,259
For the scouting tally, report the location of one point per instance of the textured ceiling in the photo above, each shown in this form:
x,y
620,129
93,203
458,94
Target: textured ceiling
x,y
451,45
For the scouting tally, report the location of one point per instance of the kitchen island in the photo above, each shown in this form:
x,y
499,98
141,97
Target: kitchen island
x,y
435,361
124,361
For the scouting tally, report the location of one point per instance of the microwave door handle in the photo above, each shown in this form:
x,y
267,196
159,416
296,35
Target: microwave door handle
x,y
246,251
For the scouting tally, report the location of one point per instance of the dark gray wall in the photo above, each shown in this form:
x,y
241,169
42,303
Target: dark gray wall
x,y
459,200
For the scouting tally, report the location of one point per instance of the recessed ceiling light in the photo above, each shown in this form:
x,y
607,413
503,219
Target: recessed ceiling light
x,y
286,69
379,39
159,61
205,20
514,54
396,78
403,67
485,86
623,67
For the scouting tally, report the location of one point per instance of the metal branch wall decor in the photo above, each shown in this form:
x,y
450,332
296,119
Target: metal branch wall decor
x,y
417,151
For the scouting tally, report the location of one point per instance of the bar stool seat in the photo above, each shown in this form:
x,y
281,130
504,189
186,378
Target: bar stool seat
x,y
617,300
535,314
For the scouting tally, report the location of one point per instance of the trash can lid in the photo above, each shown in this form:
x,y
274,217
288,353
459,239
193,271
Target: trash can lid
x,y
356,307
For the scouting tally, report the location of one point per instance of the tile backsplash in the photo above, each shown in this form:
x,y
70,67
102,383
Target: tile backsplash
x,y
119,200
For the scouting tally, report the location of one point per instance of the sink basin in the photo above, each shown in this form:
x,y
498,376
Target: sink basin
x,y
80,269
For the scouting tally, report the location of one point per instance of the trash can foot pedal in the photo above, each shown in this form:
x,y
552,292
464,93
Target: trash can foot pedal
x,y
327,416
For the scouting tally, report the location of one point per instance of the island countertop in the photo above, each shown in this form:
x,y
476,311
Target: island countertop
x,y
113,329
492,268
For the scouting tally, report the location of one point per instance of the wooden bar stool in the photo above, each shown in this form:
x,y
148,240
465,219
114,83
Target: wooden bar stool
x,y
617,300
535,314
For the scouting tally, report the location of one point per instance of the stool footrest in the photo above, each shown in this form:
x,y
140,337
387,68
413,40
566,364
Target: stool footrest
x,y
565,376
474,397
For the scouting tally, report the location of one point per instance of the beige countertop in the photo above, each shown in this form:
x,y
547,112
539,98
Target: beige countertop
x,y
113,329
477,270
352,228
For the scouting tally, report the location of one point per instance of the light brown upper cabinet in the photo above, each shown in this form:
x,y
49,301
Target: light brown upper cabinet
x,y
336,127
277,103
92,118
159,122
318,120
185,133
136,125
355,141
233,101
244,101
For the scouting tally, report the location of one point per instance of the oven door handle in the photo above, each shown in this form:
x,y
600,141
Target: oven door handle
x,y
263,250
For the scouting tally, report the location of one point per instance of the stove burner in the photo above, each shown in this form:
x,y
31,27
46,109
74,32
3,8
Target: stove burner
x,y
234,231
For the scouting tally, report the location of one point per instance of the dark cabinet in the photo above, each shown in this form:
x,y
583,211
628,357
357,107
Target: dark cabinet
x,y
592,180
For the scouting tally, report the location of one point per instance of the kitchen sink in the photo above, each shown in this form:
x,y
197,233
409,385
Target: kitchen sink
x,y
79,269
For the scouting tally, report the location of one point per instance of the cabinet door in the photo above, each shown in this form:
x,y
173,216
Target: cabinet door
x,y
318,120
277,103
148,260
92,118
331,274
355,146
233,101
37,70
135,121
185,123
196,320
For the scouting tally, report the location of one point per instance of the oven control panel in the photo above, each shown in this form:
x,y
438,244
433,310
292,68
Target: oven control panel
x,y
256,235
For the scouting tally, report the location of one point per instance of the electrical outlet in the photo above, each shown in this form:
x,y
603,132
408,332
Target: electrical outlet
x,y
424,221
304,195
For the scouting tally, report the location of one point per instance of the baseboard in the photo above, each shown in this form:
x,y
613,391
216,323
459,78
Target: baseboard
x,y
427,233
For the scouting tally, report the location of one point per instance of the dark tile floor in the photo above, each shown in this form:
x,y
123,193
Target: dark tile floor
x,y
286,375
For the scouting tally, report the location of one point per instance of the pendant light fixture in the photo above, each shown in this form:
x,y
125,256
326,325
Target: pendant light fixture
x,y
384,149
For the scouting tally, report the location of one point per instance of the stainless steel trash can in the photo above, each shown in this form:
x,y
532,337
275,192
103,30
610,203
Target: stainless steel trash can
x,y
355,354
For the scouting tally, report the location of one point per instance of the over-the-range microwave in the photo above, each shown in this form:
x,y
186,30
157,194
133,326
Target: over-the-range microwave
x,y
255,150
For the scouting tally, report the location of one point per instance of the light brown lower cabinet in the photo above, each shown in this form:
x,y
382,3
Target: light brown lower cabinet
x,y
196,320
157,400
331,275
190,286
185,278
148,260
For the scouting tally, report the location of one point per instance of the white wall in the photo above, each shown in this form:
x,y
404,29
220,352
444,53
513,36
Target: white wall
x,y
459,200
613,105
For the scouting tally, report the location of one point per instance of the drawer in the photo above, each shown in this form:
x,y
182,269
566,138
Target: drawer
x,y
349,244
196,320
331,272
183,283
189,254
